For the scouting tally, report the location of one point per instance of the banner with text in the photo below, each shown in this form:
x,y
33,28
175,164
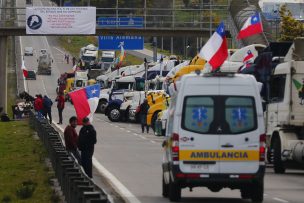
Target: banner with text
x,y
61,20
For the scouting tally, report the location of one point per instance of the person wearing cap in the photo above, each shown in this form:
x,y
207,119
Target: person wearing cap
x,y
86,141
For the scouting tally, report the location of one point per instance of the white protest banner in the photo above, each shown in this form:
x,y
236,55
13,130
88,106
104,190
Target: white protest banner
x,y
61,20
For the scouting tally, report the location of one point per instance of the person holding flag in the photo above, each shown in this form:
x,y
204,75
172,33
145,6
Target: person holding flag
x,y
122,55
215,51
252,26
85,101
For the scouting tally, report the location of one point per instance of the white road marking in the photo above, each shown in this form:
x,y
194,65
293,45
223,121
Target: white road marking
x,y
280,200
43,85
152,142
59,50
142,137
121,189
116,126
121,128
135,134
128,131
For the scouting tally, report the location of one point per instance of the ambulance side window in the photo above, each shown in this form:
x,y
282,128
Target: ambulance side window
x,y
198,113
240,114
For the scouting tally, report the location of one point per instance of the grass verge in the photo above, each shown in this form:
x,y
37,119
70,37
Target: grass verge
x,y
72,44
22,162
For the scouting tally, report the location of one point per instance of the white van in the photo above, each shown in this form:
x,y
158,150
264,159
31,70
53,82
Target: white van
x,y
215,136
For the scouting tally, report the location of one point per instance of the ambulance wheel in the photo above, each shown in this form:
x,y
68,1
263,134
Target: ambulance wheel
x,y
114,114
174,191
278,164
257,192
165,188
245,193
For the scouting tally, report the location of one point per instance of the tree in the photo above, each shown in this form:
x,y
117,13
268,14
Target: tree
x,y
290,27
186,2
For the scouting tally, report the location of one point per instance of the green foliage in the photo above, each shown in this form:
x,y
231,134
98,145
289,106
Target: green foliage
x,y
291,28
18,163
26,189
186,2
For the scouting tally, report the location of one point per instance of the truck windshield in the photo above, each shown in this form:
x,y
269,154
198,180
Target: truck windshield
x,y
88,58
231,114
123,85
107,59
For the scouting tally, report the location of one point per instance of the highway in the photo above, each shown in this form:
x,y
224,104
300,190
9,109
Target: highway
x,y
134,159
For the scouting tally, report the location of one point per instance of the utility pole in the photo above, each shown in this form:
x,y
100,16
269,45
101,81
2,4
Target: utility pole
x,y
146,74
154,49
210,16
3,72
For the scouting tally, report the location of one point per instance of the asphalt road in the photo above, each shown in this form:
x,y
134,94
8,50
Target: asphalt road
x,y
134,159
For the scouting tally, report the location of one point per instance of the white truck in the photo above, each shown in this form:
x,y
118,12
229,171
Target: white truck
x,y
285,111
107,60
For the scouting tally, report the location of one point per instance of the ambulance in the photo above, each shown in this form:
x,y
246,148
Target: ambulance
x,y
215,136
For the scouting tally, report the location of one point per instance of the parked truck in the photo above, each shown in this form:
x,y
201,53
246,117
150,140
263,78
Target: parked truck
x,y
44,63
285,110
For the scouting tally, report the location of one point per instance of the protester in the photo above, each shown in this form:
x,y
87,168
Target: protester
x,y
38,106
47,107
60,106
68,59
86,142
74,60
71,138
143,111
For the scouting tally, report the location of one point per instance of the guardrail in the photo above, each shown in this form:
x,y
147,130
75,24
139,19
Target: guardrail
x,y
75,184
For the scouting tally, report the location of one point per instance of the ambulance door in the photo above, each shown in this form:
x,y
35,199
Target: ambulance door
x,y
197,141
239,136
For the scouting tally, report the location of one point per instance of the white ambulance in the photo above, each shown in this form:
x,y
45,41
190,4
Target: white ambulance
x,y
215,136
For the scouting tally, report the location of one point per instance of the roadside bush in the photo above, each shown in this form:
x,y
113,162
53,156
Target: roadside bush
x,y
26,189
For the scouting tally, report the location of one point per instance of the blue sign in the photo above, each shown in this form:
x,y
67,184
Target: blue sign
x,y
134,22
115,42
68,4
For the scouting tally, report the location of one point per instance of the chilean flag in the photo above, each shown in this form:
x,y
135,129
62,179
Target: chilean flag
x,y
24,70
215,51
85,101
252,26
248,56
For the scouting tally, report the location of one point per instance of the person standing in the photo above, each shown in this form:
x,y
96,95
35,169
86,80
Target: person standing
x,y
60,106
143,111
71,138
87,140
47,107
68,59
74,61
38,106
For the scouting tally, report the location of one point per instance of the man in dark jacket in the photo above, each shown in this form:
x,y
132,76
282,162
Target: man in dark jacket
x,y
144,107
71,138
87,140
60,106
47,107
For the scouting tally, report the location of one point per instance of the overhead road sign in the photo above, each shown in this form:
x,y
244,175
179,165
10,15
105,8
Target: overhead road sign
x,y
61,20
114,42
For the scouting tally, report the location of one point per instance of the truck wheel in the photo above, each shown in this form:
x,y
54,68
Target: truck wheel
x,y
174,191
165,188
245,193
257,192
278,164
102,106
114,114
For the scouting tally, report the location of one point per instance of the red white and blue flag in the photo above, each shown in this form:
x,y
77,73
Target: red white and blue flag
x,y
252,26
215,51
85,101
24,70
248,56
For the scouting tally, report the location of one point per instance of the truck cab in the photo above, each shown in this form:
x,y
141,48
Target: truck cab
x,y
285,110
215,136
